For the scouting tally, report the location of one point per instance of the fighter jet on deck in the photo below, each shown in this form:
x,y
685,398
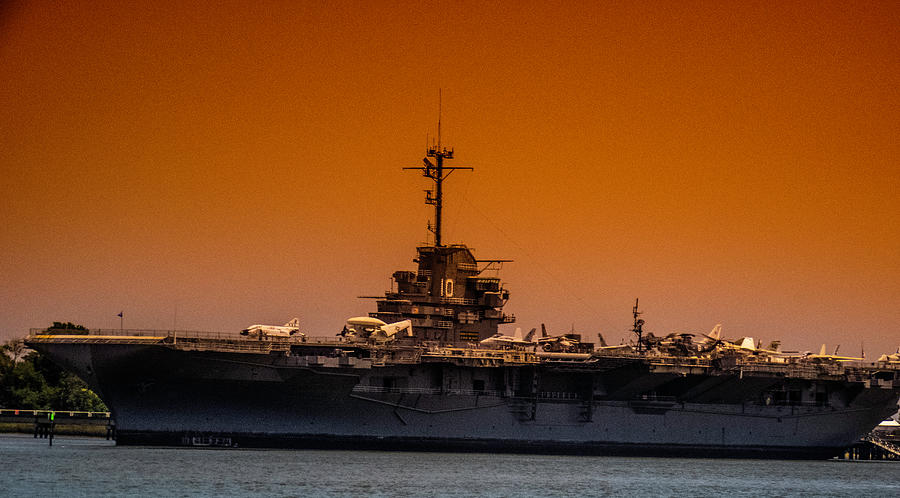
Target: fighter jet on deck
x,y
501,341
287,330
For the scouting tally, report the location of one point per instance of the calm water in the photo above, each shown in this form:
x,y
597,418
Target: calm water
x,y
94,467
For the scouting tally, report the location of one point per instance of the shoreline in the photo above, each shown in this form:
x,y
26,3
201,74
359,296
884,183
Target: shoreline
x,y
27,428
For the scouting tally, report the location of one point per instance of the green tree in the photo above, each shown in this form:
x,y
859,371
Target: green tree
x,y
73,394
67,328
31,381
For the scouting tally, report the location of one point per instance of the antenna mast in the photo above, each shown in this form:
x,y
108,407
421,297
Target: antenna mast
x,y
638,325
438,173
440,101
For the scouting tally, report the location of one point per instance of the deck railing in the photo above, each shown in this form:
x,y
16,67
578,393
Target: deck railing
x,y
183,334
202,334
17,412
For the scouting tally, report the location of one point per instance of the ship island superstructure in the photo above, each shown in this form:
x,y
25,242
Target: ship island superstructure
x,y
452,297
428,370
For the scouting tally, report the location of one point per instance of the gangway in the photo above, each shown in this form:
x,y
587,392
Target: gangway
x,y
888,446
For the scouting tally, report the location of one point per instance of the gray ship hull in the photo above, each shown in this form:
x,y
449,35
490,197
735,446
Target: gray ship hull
x,y
429,370
170,396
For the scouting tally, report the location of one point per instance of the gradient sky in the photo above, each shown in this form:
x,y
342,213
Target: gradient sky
x,y
213,167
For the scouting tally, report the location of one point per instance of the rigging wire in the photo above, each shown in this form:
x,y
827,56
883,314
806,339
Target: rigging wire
x,y
456,221
549,278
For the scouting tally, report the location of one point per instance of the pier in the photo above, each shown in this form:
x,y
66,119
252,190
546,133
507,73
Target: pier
x,y
876,445
47,423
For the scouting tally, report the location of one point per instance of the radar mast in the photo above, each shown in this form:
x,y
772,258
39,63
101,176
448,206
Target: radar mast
x,y
638,328
436,170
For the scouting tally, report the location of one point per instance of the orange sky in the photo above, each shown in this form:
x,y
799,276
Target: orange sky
x,y
733,162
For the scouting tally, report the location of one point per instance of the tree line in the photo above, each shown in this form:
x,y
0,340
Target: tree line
x,y
30,381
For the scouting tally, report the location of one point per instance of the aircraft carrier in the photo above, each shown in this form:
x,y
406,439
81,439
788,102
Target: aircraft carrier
x,y
429,371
